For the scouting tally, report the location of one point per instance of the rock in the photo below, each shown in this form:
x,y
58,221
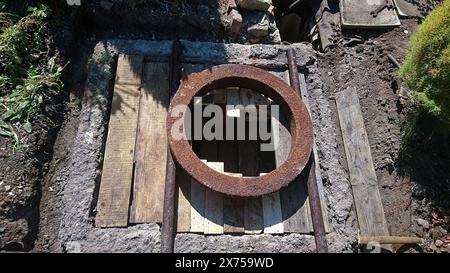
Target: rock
x,y
106,5
235,21
423,223
438,243
275,37
433,247
418,231
7,188
258,31
257,25
437,232
262,5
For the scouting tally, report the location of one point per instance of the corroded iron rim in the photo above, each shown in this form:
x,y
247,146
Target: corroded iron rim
x,y
233,75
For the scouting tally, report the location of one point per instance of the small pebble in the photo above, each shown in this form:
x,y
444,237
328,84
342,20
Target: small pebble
x,y
423,223
438,243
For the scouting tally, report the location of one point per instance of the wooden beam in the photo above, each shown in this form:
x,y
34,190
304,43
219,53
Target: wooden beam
x,y
117,173
151,146
397,240
363,178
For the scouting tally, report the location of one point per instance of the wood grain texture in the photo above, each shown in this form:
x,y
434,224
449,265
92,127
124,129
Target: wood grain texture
x,y
249,166
273,218
197,207
214,206
233,207
184,204
197,193
117,173
293,198
151,144
363,178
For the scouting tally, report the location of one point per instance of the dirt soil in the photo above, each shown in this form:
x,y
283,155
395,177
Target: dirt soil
x,y
411,203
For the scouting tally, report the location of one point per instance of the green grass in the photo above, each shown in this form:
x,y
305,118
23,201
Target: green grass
x,y
426,68
27,73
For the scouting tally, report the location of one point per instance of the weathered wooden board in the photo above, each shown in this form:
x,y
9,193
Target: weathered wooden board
x,y
233,214
116,182
214,206
293,198
184,204
363,178
197,207
273,217
197,196
151,146
249,166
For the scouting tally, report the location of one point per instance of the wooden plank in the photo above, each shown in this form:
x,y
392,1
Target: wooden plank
x,y
272,214
151,146
197,190
305,97
273,218
233,207
214,206
197,206
249,166
213,216
294,207
293,198
363,178
116,182
184,204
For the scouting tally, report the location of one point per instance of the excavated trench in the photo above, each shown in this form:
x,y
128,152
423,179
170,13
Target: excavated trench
x,y
69,186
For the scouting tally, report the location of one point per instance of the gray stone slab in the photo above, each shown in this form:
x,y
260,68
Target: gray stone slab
x,y
356,14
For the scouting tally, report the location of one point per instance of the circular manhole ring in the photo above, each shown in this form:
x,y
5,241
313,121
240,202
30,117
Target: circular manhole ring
x,y
258,80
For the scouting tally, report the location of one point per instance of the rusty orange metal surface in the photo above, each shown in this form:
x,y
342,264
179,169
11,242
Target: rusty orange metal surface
x,y
261,81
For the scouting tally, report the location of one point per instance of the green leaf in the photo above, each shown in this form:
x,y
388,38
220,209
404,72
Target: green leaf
x,y
27,127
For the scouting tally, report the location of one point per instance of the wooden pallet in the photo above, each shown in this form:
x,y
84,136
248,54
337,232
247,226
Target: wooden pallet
x,y
200,210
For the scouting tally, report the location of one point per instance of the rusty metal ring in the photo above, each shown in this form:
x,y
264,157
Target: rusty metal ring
x,y
232,75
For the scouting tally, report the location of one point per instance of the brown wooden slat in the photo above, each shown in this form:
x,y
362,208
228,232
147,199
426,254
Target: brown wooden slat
x,y
214,206
196,197
184,204
249,166
228,153
151,144
293,198
363,178
116,182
